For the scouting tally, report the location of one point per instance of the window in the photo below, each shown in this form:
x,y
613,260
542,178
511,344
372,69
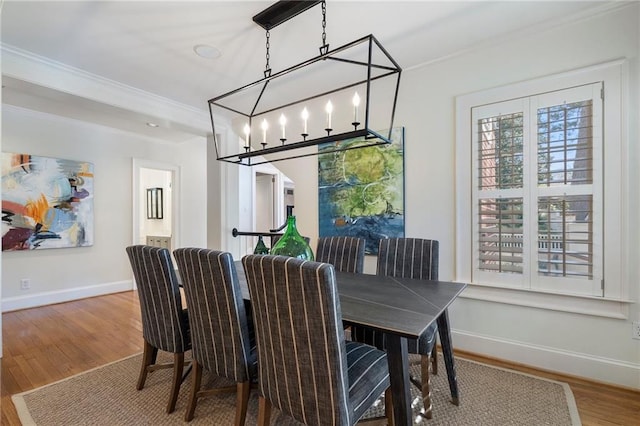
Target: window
x,y
535,187
532,168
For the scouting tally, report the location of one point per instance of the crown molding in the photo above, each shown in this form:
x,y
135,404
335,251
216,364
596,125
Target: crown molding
x,y
609,7
39,70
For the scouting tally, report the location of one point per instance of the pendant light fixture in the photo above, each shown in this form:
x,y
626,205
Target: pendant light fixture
x,y
348,93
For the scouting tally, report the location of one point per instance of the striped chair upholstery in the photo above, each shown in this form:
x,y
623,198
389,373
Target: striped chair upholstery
x,y
306,368
346,254
221,336
165,325
409,258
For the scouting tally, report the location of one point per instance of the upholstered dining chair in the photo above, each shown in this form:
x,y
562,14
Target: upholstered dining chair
x,y
410,258
165,324
221,335
306,368
346,254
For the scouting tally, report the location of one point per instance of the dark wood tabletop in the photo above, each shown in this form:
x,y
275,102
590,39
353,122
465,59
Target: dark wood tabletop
x,y
394,305
401,307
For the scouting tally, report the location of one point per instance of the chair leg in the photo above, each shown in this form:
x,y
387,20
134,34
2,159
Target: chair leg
x,y
148,358
242,401
434,359
178,366
388,407
426,386
264,411
195,387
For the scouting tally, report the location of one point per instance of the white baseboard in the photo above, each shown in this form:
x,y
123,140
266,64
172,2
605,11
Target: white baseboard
x,y
605,370
59,296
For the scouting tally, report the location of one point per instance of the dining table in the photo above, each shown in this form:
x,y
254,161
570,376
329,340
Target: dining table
x,y
402,308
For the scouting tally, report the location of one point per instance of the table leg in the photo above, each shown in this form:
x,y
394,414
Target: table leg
x,y
398,359
447,352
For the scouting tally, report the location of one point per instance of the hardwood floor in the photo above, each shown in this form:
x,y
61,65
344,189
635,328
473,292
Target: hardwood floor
x,y
47,344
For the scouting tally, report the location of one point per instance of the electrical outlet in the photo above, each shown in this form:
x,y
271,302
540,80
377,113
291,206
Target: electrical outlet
x,y
636,330
25,284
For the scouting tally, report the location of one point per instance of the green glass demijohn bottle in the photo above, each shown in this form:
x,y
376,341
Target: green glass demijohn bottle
x,y
261,248
292,244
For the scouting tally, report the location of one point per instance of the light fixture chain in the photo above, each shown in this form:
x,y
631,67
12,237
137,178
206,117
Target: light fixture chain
x,y
267,70
324,23
325,47
267,47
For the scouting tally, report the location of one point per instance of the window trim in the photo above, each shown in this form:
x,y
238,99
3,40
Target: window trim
x,y
614,302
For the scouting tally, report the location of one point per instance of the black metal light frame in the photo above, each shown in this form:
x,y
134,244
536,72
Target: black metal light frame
x,y
253,155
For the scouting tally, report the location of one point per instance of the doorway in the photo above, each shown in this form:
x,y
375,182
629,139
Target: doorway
x,y
155,201
265,207
270,189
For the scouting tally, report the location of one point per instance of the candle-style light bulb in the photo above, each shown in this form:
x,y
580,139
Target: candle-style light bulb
x,y
356,104
247,131
305,117
283,122
264,126
329,110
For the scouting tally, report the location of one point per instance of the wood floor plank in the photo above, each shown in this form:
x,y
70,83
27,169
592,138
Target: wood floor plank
x,y
47,344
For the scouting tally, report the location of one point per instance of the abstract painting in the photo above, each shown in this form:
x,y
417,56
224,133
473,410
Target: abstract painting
x,y
46,202
361,191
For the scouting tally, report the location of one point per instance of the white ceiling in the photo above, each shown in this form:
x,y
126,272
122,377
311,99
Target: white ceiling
x,y
148,45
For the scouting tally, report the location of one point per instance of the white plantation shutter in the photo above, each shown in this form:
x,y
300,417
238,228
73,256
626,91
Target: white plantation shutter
x,y
537,192
567,199
500,235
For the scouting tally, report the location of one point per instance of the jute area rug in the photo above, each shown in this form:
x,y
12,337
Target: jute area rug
x,y
107,396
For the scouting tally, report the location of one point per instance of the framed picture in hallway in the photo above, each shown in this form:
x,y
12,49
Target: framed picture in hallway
x,y
361,191
46,202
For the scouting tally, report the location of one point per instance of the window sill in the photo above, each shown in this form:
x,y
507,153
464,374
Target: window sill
x,y
594,306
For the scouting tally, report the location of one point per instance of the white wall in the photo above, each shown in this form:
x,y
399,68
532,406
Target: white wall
x,y
64,274
216,215
594,347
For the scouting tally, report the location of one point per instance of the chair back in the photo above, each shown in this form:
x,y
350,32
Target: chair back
x,y
219,329
408,258
346,254
164,324
300,340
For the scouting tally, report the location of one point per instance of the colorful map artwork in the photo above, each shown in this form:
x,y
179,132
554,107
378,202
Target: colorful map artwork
x,y
361,191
